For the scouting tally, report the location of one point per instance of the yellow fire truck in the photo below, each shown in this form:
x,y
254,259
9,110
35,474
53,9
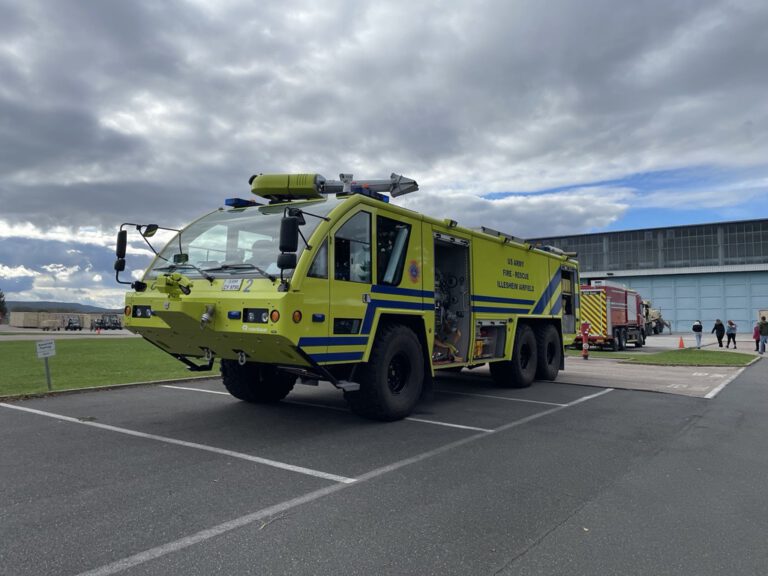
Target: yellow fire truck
x,y
317,279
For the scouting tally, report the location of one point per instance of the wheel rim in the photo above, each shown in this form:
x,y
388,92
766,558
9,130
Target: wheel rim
x,y
398,371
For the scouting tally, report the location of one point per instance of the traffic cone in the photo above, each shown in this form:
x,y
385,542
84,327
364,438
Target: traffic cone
x,y
680,344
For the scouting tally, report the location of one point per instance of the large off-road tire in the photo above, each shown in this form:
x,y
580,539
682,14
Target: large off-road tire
x,y
253,382
622,339
616,342
640,342
520,371
549,350
393,378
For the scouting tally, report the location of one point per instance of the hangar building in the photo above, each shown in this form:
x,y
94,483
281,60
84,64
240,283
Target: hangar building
x,y
695,272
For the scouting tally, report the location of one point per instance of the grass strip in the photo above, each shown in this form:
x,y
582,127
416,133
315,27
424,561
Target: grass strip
x,y
86,363
693,357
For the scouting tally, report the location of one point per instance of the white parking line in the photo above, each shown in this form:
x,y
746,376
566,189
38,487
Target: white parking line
x,y
340,409
218,530
499,397
240,455
448,424
194,389
719,389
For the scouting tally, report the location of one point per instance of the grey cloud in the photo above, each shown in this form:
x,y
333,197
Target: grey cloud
x,y
49,138
492,95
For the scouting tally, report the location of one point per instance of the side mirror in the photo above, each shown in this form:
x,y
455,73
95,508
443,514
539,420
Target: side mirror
x,y
180,258
286,261
120,248
122,243
289,234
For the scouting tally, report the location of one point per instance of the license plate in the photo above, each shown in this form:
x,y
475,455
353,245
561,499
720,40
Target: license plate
x,y
232,284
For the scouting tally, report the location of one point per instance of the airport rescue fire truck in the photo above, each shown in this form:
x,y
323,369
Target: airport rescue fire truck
x,y
614,313
325,280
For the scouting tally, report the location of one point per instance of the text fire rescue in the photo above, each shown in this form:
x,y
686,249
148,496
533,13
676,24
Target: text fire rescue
x,y
508,273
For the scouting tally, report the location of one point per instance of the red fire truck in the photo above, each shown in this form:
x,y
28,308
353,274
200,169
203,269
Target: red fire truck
x,y
615,315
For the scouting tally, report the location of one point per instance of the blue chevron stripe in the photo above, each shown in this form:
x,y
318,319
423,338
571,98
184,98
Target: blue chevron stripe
x,y
337,356
548,293
395,291
333,341
396,304
500,310
499,300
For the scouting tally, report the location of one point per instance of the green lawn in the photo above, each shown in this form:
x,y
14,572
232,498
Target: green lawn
x,y
84,363
676,357
693,357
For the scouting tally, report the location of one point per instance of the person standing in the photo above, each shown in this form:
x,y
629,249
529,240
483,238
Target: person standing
x,y
763,327
697,328
719,331
730,334
756,336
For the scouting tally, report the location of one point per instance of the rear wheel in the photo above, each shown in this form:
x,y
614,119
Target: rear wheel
x,y
520,371
392,380
253,382
615,342
640,340
550,353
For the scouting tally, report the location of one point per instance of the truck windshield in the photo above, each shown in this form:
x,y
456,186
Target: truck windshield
x,y
240,242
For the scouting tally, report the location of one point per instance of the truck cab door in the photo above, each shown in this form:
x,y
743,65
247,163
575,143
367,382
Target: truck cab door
x,y
351,279
316,287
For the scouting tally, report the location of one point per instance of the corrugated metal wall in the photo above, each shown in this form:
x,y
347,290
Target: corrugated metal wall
x,y
684,298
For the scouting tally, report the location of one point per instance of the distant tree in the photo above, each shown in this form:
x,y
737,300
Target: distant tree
x,y
3,308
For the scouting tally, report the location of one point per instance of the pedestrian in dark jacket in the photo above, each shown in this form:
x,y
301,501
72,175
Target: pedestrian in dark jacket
x,y
730,333
719,331
756,336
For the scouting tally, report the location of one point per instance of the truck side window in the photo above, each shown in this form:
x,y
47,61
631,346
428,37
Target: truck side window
x,y
319,268
352,249
391,246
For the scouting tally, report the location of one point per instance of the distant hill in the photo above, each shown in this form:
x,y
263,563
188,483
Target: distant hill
x,y
16,306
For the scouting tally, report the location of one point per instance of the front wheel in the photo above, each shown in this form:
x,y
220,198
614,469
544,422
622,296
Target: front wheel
x,y
253,382
392,380
520,371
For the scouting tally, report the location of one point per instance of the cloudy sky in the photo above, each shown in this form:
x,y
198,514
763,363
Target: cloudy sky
x,y
536,118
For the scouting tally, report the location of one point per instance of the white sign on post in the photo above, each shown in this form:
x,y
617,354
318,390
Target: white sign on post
x,y
46,349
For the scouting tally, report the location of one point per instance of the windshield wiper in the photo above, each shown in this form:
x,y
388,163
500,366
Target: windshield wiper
x,y
172,267
185,266
243,266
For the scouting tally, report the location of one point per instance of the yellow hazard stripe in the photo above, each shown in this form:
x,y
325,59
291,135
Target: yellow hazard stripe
x,y
594,311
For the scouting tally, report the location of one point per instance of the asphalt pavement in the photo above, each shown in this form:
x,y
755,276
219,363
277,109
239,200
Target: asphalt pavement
x,y
554,479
